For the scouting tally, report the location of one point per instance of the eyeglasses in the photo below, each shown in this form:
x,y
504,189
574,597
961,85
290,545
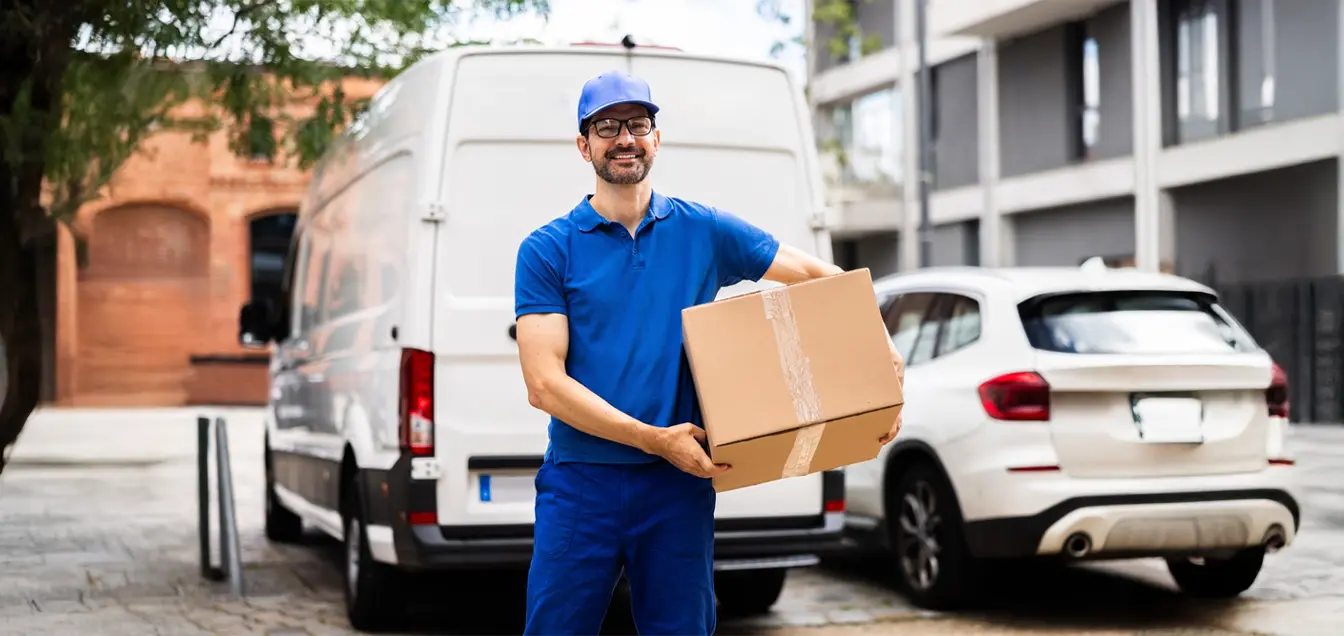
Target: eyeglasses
x,y
608,128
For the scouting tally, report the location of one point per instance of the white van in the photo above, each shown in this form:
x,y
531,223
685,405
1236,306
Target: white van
x,y
398,417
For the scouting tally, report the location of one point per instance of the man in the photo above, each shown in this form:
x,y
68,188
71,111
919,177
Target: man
x,y
599,292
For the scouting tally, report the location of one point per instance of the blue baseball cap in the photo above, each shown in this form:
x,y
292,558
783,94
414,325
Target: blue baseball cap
x,y
611,88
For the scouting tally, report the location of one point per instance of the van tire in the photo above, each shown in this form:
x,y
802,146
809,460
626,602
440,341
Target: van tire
x,y
372,589
1222,578
282,524
749,592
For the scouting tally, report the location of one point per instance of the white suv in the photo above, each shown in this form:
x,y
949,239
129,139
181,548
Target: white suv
x,y
1081,413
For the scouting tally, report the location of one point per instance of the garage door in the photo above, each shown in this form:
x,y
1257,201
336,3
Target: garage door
x,y
143,306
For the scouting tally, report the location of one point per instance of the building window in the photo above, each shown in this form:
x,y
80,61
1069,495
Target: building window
x,y
1091,107
268,246
868,137
1198,69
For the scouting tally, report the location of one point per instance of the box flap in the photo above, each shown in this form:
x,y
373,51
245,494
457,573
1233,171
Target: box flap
x,y
787,357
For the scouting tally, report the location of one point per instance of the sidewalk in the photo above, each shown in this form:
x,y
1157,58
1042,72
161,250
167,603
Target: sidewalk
x,y
125,437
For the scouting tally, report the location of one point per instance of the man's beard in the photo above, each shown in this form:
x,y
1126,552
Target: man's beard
x,y
624,176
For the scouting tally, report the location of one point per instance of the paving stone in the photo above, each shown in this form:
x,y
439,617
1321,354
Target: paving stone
x,y
112,549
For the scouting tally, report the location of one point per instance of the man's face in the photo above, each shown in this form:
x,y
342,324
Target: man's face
x,y
619,155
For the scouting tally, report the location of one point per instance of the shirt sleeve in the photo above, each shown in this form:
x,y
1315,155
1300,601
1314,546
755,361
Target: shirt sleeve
x,y
744,251
539,285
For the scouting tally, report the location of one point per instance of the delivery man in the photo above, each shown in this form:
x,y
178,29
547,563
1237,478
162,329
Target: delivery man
x,y
625,484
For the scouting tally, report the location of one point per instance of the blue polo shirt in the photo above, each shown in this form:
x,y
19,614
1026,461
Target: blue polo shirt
x,y
623,296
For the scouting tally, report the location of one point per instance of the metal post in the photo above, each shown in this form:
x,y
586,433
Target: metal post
x,y
230,553
203,493
924,89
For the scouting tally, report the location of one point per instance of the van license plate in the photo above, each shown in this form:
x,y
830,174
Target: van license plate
x,y
507,488
1169,420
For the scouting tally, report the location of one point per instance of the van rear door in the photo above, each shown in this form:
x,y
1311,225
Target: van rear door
x,y
510,166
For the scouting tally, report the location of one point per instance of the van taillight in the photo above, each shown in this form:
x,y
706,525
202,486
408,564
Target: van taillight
x,y
416,402
1021,396
1276,396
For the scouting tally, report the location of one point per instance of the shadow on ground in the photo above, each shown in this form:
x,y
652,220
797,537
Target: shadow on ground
x,y
1057,596
1062,596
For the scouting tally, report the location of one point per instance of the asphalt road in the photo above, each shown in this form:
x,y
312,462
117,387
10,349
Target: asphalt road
x,y
98,535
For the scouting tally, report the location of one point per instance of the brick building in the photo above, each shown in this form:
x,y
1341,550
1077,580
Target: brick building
x,y
183,234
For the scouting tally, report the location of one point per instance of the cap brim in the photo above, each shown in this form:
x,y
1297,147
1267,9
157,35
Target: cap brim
x,y
653,108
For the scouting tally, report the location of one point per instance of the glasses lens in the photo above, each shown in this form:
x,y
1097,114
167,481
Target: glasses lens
x,y
607,128
640,126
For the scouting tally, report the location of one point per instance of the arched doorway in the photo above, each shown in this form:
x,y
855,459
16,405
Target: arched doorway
x,y
143,305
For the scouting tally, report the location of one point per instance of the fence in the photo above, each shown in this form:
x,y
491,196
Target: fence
x,y
1301,323
230,557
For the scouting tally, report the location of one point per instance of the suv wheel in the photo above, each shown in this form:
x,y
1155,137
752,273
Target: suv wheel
x,y
926,535
282,525
748,592
1217,578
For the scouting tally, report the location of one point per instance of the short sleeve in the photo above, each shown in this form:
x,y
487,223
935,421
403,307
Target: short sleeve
x,y
539,284
744,251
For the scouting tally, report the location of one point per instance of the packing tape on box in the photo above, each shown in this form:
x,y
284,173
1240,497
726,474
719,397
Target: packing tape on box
x,y
798,377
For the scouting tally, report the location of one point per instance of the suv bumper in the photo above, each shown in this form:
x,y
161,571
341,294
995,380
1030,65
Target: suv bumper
x,y
1141,525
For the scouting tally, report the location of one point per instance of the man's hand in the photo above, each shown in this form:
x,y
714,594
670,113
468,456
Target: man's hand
x,y
899,361
680,445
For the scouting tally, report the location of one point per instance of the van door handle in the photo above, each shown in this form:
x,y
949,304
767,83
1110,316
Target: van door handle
x,y
513,331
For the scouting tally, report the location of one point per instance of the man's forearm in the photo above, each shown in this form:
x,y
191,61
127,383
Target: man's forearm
x,y
569,401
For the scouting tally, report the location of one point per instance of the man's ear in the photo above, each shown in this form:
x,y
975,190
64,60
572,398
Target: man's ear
x,y
584,149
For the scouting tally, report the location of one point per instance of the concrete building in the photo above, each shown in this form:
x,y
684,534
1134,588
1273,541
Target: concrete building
x,y
1201,136
182,236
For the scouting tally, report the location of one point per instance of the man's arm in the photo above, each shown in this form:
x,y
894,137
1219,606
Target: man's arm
x,y
543,344
792,265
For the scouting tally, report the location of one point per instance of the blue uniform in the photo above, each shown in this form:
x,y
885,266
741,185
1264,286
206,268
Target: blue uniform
x,y
603,507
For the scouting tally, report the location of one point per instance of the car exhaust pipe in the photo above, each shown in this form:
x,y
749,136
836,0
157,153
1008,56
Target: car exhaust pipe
x,y
1275,539
1078,545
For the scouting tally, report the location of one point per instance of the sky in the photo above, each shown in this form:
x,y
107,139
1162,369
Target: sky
x,y
722,27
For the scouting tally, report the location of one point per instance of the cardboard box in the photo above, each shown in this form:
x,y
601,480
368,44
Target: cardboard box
x,y
793,380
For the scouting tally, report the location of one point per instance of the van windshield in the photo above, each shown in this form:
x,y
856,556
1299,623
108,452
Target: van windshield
x,y
1132,322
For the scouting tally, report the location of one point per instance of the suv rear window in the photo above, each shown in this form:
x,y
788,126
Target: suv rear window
x,y
1132,322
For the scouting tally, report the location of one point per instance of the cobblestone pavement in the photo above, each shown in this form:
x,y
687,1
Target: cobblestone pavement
x,y
98,536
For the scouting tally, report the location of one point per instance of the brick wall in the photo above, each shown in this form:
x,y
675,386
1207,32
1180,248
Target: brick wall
x,y
168,269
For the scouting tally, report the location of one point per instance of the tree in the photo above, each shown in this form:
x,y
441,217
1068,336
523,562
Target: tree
x,y
84,82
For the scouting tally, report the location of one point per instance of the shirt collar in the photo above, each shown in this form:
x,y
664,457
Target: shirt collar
x,y
587,219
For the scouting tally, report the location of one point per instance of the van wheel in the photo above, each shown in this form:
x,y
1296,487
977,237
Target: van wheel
x,y
372,589
748,592
933,561
1217,578
282,525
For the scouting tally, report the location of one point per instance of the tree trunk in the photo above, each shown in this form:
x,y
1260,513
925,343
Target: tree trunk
x,y
35,50
20,328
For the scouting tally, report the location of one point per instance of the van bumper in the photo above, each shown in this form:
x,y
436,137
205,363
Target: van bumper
x,y
752,543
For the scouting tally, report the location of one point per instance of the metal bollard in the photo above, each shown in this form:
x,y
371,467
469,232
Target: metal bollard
x,y
230,553
203,496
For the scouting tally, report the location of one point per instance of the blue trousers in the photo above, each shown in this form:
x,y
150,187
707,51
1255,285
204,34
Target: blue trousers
x,y
593,521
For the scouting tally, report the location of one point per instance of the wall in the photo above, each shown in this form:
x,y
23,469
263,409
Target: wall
x,y
879,252
1039,91
1067,236
956,244
1263,226
956,124
1302,55
168,268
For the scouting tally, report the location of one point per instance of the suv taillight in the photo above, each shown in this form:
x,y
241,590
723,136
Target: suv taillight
x,y
416,401
1276,396
1022,397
